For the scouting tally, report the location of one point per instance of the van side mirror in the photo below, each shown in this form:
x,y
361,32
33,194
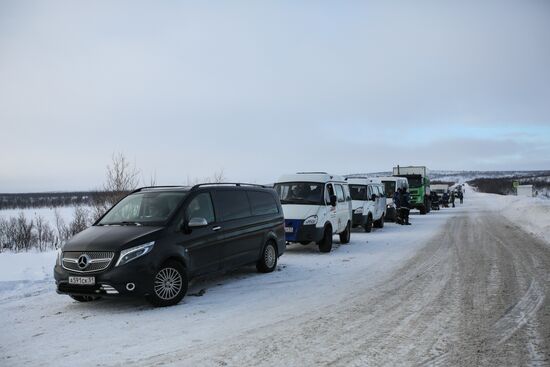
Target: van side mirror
x,y
333,200
373,197
197,222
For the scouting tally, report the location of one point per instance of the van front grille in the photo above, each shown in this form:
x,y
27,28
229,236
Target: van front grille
x,y
87,262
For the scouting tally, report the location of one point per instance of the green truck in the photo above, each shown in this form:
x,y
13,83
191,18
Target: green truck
x,y
419,186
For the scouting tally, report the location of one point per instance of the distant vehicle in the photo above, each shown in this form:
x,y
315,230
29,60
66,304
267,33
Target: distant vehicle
x,y
155,239
368,202
316,206
419,186
391,184
439,188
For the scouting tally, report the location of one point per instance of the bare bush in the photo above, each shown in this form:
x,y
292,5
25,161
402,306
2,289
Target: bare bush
x,y
122,177
45,237
81,220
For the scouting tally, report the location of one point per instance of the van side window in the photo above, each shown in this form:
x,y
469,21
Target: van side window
x,y
201,207
232,204
382,191
369,192
262,203
340,193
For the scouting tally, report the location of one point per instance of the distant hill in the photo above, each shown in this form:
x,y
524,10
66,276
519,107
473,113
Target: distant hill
x,y
497,182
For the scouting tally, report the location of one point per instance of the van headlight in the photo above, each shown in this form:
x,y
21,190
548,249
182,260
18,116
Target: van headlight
x,y
134,252
358,210
310,220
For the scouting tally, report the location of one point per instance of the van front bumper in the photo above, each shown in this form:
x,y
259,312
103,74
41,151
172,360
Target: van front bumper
x,y
111,282
358,220
302,233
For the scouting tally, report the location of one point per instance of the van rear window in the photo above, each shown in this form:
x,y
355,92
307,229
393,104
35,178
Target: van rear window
x,y
232,204
262,203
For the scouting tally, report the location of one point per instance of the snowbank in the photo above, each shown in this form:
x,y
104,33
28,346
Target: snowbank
x,y
31,266
531,214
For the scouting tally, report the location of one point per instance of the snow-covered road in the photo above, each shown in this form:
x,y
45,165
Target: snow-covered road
x,y
460,286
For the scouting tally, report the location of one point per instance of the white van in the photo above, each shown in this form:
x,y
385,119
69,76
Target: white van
x,y
368,202
316,206
391,184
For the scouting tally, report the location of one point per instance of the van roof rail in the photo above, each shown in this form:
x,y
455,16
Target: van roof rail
x,y
226,184
160,187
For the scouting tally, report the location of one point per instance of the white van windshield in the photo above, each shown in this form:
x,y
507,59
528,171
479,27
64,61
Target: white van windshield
x,y
308,193
390,188
358,192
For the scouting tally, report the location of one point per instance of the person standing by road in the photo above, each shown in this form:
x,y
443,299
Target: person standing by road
x,y
461,197
404,201
453,198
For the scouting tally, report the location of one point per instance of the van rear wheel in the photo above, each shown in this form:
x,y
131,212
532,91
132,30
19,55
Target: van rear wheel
x,y
268,261
325,245
169,285
346,235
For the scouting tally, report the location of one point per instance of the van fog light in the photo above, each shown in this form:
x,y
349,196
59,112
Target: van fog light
x,y
130,286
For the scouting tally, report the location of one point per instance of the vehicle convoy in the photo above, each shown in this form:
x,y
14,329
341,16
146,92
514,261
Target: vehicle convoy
x,y
316,206
368,202
419,186
157,238
391,185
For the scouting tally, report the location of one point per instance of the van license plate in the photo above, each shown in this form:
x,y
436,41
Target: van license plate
x,y
289,229
82,280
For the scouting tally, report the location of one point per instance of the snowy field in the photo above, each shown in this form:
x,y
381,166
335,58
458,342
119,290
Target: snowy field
x,y
65,212
39,326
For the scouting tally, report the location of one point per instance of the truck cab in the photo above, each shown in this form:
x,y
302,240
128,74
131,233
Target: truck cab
x,y
419,186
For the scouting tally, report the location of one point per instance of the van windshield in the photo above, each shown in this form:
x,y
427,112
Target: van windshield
x,y
390,188
144,208
308,193
358,192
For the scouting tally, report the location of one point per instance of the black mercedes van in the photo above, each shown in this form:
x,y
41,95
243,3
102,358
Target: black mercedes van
x,y
157,238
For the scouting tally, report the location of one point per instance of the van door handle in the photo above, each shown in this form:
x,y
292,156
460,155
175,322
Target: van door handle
x,y
217,228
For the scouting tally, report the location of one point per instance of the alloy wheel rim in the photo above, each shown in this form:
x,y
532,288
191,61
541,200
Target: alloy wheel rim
x,y
269,256
168,283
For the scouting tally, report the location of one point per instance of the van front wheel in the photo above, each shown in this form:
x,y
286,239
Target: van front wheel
x,y
268,261
325,245
169,285
346,235
368,224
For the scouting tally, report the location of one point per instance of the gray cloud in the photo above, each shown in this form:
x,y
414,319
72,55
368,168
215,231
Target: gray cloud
x,y
258,89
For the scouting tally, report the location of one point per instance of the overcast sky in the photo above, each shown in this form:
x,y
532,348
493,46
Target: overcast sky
x,y
261,88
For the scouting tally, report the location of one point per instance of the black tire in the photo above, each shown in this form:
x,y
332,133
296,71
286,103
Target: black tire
x,y
368,224
268,261
379,223
169,285
305,242
85,298
346,235
325,245
422,209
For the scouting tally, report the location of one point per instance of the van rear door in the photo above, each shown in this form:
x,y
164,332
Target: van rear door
x,y
241,238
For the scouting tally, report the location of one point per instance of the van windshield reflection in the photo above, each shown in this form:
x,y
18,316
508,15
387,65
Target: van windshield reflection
x,y
308,193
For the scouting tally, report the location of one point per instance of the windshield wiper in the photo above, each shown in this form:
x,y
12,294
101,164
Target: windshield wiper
x,y
129,223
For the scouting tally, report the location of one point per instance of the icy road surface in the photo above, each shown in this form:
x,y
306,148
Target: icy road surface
x,y
460,287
